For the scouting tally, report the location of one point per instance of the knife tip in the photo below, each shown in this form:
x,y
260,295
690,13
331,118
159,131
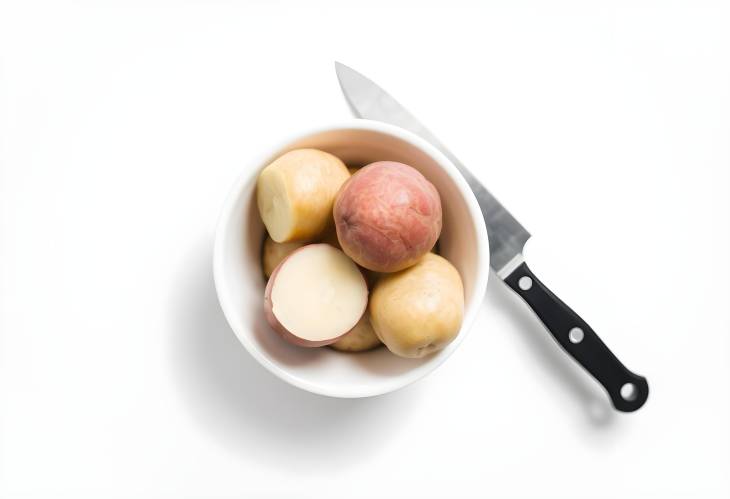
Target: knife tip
x,y
339,66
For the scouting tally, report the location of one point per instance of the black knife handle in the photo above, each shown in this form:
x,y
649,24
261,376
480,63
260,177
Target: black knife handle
x,y
628,391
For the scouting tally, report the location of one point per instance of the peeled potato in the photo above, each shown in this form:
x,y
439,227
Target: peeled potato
x,y
361,338
273,253
295,193
418,310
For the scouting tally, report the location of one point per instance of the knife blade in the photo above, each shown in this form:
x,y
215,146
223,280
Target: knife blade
x,y
507,237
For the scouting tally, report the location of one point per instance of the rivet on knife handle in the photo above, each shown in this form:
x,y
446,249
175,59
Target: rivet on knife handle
x,y
628,391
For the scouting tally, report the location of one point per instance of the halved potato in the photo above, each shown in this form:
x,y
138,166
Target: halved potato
x,y
295,193
315,296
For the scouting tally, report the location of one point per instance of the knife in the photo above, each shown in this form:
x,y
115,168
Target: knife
x,y
507,237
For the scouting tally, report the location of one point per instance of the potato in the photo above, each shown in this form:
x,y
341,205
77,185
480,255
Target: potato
x,y
387,216
315,296
418,310
273,253
360,339
296,191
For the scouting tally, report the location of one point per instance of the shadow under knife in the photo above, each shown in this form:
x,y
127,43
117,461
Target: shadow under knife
x,y
554,362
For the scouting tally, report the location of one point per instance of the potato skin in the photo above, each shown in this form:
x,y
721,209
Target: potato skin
x,y
307,182
273,254
418,310
387,216
360,339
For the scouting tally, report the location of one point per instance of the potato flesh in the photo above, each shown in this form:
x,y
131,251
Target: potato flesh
x,y
274,206
318,293
295,193
419,310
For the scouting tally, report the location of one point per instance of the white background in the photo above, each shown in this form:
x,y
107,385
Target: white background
x,y
606,129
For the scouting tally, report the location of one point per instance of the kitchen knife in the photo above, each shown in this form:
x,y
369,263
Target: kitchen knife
x,y
507,238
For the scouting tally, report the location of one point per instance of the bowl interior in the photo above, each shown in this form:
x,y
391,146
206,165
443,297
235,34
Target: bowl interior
x,y
240,282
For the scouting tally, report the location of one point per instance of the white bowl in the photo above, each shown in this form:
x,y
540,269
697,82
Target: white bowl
x,y
240,284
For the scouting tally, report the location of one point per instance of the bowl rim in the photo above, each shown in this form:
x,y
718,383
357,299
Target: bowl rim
x,y
471,308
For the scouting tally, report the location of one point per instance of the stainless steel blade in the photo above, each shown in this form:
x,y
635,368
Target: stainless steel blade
x,y
367,100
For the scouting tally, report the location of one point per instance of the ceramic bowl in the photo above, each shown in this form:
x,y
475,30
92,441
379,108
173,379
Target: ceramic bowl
x,y
240,283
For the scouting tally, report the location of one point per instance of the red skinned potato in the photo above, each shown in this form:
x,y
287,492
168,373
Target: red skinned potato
x,y
387,216
315,296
